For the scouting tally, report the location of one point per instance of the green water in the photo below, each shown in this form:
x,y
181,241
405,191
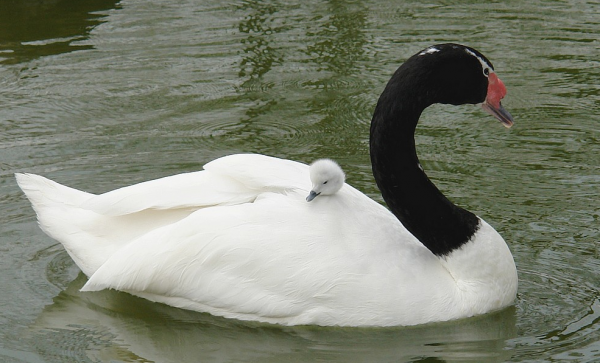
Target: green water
x,y
100,94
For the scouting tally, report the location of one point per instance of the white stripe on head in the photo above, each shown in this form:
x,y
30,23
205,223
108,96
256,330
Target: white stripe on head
x,y
484,65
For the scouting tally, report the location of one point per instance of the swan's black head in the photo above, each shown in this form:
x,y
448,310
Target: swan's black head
x,y
452,74
456,73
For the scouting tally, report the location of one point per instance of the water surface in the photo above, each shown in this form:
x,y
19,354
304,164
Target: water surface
x,y
101,94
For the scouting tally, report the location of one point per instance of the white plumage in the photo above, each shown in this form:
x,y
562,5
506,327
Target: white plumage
x,y
239,240
327,178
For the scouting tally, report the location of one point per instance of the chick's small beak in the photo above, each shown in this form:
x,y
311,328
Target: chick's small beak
x,y
312,195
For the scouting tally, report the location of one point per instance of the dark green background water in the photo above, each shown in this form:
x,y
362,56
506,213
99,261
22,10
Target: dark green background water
x,y
100,94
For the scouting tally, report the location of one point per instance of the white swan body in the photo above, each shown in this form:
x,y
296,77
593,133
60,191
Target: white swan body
x,y
239,240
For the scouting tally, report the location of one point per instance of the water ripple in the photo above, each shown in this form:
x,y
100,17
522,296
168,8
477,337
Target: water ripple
x,y
157,90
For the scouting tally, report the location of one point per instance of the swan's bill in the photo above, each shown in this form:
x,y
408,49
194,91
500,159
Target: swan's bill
x,y
499,113
496,92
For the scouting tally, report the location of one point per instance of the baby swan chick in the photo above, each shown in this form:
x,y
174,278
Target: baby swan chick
x,y
327,178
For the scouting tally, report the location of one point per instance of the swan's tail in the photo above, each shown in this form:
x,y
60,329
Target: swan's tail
x,y
44,193
59,215
89,236
54,204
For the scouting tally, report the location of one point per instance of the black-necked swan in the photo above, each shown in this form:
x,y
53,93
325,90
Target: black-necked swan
x,y
327,178
239,240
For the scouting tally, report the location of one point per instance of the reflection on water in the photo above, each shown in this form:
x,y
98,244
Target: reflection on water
x,y
339,38
34,28
259,30
110,325
259,27
312,91
338,48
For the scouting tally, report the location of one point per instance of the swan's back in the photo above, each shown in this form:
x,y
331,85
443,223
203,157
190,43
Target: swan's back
x,y
238,239
86,222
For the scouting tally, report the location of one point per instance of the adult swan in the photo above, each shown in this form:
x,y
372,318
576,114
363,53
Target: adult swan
x,y
239,240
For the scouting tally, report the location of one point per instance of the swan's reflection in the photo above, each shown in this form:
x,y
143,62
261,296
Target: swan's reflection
x,y
111,325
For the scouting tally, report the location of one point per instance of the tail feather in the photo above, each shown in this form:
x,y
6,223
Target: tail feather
x,y
44,192
89,237
58,213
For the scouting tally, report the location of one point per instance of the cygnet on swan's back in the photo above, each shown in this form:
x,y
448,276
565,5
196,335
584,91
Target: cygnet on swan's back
x,y
327,178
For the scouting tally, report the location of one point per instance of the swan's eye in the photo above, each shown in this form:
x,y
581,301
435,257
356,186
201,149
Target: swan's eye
x,y
486,71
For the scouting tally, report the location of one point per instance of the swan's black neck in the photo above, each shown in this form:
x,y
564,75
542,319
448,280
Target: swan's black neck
x,y
439,224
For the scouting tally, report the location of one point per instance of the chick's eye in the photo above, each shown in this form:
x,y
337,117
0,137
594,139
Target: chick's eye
x,y
325,182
